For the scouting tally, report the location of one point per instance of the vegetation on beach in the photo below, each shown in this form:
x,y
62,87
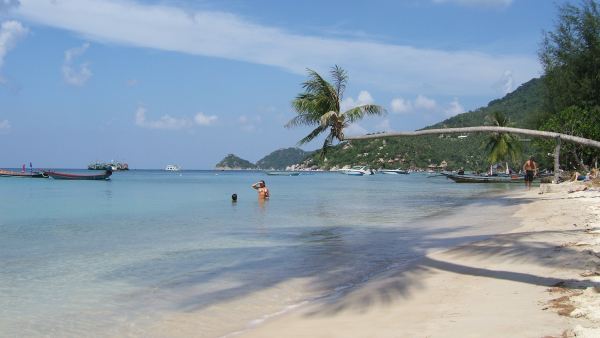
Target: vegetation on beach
x,y
570,56
566,99
501,146
522,107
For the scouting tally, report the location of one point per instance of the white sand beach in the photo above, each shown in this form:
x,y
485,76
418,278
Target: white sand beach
x,y
540,280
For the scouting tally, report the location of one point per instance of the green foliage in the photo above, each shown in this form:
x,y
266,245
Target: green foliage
x,y
281,158
319,106
502,145
570,56
583,122
233,162
522,107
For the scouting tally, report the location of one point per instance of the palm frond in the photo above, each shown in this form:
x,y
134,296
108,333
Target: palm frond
x,y
340,79
302,120
359,112
321,88
311,136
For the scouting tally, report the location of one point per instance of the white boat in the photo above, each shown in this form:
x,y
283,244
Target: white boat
x,y
357,171
172,167
394,171
283,173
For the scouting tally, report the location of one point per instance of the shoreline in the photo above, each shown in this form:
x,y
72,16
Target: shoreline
x,y
537,279
438,232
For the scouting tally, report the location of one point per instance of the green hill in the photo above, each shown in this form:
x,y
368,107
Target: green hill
x,y
233,162
281,158
523,106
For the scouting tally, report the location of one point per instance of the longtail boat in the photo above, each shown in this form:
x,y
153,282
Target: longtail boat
x,y
484,179
67,176
33,174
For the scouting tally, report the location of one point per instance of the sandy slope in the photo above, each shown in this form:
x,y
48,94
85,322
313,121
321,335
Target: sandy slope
x,y
538,280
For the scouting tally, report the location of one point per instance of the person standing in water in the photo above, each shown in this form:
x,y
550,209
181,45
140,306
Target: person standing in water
x,y
530,168
263,191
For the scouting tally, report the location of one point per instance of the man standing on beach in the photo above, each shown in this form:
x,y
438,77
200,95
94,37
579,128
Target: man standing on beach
x,y
530,168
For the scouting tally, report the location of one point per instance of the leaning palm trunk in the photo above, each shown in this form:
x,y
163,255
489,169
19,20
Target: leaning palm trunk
x,y
487,129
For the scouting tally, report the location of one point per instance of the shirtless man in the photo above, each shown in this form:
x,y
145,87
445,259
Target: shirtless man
x,y
530,168
263,191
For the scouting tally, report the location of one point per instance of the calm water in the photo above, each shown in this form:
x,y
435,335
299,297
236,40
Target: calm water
x,y
115,258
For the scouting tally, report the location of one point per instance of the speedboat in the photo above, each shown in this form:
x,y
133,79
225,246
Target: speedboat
x,y
283,173
172,167
357,171
394,171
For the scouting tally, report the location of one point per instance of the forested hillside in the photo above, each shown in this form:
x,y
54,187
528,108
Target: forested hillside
x,y
523,107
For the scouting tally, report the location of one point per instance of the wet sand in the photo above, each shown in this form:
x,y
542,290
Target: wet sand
x,y
539,280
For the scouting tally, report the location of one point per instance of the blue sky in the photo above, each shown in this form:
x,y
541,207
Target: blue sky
x,y
187,82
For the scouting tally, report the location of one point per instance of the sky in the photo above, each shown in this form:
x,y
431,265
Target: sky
x,y
156,82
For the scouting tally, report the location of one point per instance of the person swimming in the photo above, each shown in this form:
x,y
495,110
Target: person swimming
x,y
234,198
263,191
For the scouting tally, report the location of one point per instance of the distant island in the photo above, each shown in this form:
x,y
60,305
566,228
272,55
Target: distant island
x,y
232,162
279,159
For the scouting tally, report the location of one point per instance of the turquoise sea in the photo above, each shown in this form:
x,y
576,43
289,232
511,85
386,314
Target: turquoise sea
x,y
149,251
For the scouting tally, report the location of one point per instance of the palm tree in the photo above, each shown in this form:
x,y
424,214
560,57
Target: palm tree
x,y
502,145
319,105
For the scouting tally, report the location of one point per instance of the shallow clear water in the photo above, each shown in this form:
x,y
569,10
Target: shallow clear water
x,y
109,258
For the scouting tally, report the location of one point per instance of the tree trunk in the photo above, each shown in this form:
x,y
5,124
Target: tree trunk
x,y
484,129
556,160
579,160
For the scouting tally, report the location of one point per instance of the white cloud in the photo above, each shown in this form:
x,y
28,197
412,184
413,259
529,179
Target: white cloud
x,y
10,32
76,75
384,126
205,120
164,122
168,122
454,108
400,105
249,124
364,97
355,129
478,3
6,5
4,126
506,84
225,35
423,102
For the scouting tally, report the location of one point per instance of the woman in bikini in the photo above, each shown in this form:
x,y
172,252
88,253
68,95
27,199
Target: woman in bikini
x,y
263,191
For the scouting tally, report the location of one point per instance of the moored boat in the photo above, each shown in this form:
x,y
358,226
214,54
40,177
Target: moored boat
x,y
394,171
32,174
357,171
114,166
283,173
484,179
68,176
172,167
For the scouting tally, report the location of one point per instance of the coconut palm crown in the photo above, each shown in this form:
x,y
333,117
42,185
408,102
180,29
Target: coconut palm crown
x,y
319,105
502,145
